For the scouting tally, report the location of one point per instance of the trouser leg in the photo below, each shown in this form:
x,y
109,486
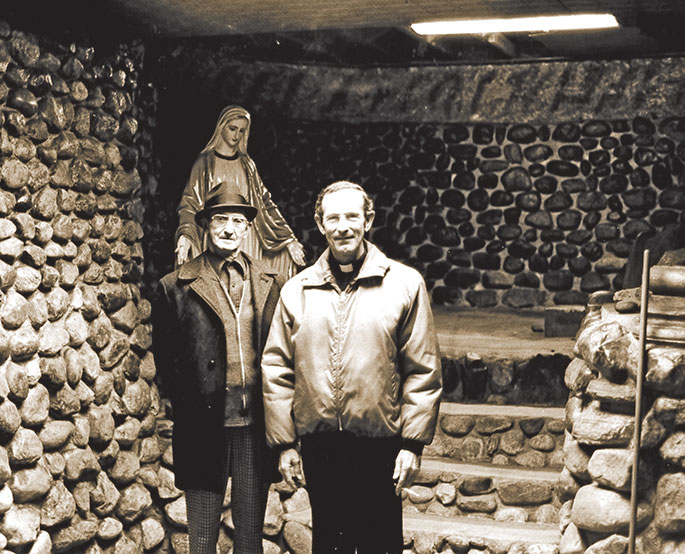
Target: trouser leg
x,y
248,491
324,460
203,509
379,510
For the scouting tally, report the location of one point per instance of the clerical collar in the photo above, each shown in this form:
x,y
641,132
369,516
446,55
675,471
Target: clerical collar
x,y
225,157
344,273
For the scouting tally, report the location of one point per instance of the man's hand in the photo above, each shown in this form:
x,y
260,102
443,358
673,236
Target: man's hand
x,y
406,468
296,251
184,250
290,466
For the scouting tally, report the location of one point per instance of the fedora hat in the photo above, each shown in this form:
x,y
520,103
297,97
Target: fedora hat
x,y
225,197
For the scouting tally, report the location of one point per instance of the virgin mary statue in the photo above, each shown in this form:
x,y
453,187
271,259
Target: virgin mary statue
x,y
225,160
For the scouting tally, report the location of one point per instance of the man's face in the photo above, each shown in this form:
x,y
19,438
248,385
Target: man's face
x,y
344,223
226,229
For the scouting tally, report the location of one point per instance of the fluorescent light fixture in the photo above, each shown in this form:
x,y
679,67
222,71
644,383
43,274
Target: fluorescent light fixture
x,y
517,25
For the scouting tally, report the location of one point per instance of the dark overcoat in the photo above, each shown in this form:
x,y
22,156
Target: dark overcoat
x,y
189,346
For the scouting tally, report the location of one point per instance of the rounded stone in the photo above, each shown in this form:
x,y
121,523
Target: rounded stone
x,y
134,501
596,128
55,434
478,200
14,174
604,511
58,506
570,152
516,179
463,180
558,280
65,402
539,220
24,343
591,201
522,133
579,266
35,408
462,277
501,198
528,201
558,201
566,132
30,484
137,398
521,249
537,153
109,529
442,237
524,493
543,442
509,232
14,311
54,371
45,204
512,441
513,153
10,420
53,338
489,217
546,184
25,448
21,525
562,168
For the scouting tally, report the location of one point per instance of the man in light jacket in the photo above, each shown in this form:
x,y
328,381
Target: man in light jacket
x,y
351,370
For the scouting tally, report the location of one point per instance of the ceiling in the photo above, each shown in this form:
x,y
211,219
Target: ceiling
x,y
372,32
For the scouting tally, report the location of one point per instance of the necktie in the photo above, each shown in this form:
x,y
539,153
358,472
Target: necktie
x,y
232,280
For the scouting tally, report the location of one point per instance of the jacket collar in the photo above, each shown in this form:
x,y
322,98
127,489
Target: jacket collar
x,y
197,267
201,277
375,265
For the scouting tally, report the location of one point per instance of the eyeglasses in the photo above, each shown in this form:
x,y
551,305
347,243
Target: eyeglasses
x,y
222,220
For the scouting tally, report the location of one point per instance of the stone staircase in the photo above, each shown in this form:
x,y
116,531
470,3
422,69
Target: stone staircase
x,y
488,482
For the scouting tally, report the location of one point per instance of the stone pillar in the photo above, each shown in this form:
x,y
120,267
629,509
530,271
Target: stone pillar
x,y
79,449
598,451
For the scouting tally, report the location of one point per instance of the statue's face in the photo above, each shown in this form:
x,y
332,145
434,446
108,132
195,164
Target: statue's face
x,y
234,131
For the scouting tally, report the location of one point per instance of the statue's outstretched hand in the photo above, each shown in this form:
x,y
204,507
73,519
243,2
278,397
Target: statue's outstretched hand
x,y
184,250
296,251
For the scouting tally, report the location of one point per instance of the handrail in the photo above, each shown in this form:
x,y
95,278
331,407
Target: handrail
x,y
644,299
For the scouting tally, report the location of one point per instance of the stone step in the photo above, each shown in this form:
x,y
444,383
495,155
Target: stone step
x,y
503,493
528,436
496,335
432,533
563,321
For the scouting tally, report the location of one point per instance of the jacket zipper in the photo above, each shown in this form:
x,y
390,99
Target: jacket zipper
x,y
338,349
236,314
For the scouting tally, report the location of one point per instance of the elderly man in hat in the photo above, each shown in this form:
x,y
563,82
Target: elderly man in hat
x,y
210,325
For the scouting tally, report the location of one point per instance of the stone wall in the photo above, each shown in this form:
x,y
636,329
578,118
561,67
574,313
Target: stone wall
x,y
507,439
536,92
492,215
497,208
79,447
598,449
494,380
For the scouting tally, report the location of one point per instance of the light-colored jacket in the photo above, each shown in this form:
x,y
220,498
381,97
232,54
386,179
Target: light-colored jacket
x,y
364,360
